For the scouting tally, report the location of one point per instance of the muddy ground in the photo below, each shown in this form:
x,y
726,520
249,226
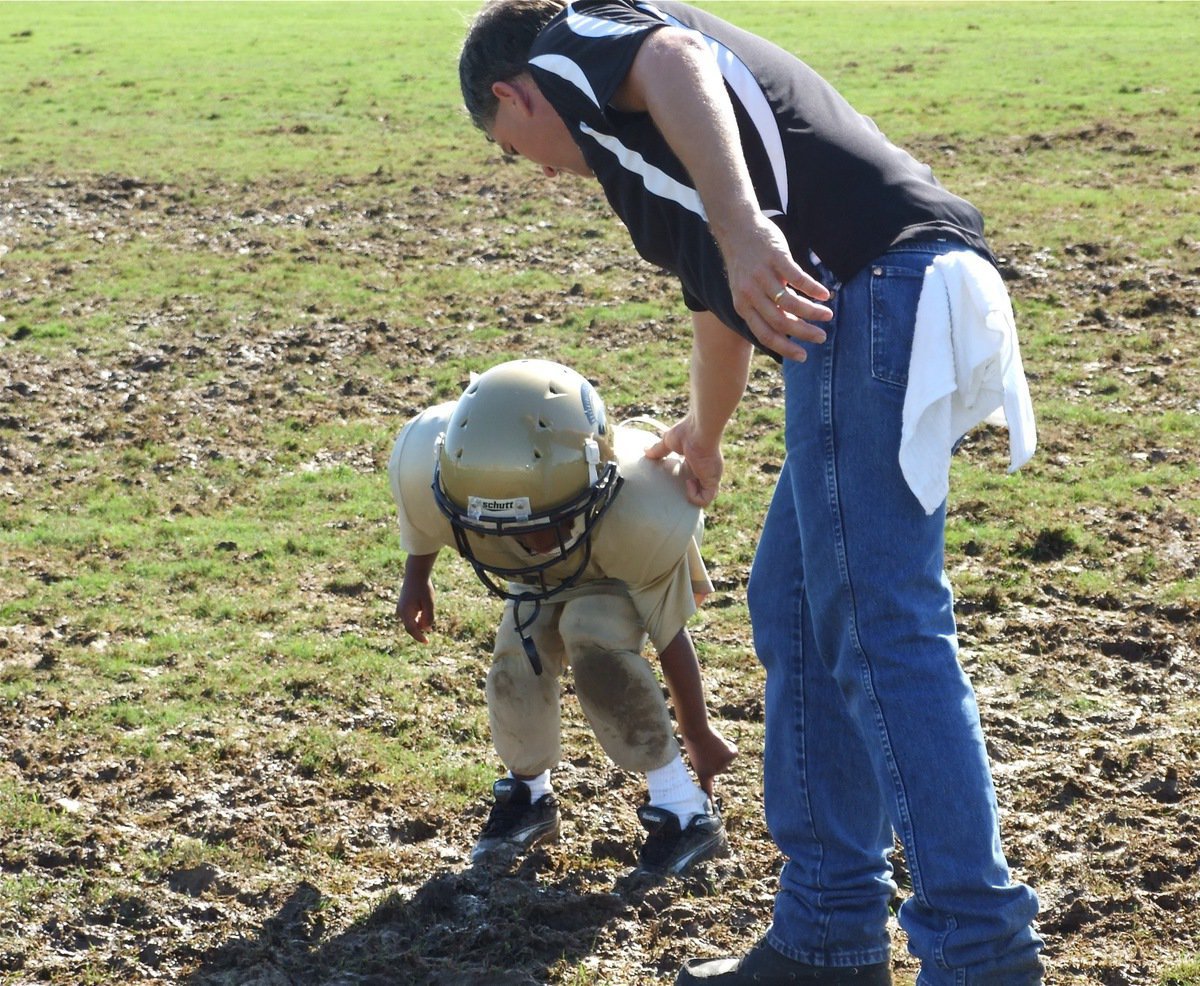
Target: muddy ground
x,y
1101,799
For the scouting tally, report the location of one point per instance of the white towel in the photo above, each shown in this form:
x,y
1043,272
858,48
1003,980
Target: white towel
x,y
965,367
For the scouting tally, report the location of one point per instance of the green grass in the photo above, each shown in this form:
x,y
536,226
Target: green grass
x,y
307,90
1184,973
171,93
205,94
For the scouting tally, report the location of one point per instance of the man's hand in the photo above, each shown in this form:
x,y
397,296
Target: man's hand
x,y
771,291
702,465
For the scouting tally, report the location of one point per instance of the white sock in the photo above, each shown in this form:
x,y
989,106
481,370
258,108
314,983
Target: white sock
x,y
538,786
672,788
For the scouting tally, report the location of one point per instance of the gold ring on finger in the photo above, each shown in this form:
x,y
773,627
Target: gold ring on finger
x,y
777,295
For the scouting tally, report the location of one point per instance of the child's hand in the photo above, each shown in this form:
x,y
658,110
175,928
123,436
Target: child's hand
x,y
415,608
710,754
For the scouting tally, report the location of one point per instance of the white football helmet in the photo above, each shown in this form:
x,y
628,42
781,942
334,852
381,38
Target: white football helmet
x,y
527,454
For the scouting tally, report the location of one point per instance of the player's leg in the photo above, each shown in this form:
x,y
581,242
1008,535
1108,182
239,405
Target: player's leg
x,y
623,701
525,717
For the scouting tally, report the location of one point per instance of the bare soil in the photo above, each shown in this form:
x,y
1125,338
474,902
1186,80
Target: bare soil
x,y
1101,799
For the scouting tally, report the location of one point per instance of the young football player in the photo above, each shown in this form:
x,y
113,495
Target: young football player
x,y
594,549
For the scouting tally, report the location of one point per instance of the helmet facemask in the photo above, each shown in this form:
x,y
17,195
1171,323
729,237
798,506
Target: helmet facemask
x,y
565,530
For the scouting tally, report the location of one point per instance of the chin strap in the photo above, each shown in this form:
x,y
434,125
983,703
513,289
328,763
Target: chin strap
x,y
591,455
535,659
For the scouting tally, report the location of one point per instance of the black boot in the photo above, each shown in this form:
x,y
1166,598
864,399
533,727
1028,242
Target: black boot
x,y
763,966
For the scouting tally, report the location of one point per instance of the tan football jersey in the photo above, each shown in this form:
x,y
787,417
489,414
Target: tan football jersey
x,y
648,539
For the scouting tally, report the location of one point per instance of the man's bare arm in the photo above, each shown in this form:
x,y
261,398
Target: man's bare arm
x,y
719,370
675,79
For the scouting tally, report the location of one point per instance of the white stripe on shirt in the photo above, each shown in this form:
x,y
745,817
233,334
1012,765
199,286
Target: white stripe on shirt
x,y
587,26
656,181
568,70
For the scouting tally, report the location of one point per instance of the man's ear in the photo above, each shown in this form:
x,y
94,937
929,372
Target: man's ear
x,y
512,91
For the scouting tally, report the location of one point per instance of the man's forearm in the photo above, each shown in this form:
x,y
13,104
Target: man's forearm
x,y
719,370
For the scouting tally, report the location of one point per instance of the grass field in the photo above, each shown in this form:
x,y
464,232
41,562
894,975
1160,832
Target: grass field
x,y
241,243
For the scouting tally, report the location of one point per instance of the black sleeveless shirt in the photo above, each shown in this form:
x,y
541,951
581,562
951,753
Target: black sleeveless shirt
x,y
841,192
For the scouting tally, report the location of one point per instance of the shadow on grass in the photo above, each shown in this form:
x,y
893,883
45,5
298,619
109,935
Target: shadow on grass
x,y
461,928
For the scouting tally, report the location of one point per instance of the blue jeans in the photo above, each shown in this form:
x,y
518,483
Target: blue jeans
x,y
871,725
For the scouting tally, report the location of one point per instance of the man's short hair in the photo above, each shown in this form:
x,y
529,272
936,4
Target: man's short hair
x,y
497,48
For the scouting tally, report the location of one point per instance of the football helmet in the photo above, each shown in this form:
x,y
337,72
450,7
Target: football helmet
x,y
527,455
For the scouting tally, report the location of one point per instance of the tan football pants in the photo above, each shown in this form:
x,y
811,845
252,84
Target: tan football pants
x,y
599,636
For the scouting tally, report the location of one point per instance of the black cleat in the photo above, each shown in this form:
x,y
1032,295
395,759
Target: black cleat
x,y
670,851
516,825
764,966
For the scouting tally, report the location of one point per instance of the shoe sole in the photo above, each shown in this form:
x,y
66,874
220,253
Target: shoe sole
x,y
515,846
715,848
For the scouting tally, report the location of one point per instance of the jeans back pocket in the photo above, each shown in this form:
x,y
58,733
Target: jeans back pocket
x,y
895,291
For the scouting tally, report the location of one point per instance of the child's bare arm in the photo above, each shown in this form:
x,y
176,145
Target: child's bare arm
x,y
709,752
415,605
